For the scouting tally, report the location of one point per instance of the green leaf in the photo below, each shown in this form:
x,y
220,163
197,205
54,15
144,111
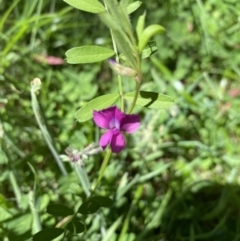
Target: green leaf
x,y
47,234
92,6
99,103
151,100
89,207
103,201
111,231
140,26
88,54
121,38
59,210
75,227
147,34
149,51
133,7
119,13
19,224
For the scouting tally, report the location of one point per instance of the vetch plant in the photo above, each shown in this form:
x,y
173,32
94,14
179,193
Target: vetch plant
x,y
129,47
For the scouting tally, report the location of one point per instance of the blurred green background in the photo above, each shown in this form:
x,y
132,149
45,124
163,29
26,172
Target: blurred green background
x,y
179,177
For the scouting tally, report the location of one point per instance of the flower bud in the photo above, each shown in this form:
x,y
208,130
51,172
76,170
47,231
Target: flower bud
x,y
121,69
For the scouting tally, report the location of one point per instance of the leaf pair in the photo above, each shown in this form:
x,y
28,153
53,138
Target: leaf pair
x,y
88,207
116,18
145,98
59,210
74,226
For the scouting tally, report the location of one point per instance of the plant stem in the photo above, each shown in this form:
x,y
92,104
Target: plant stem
x,y
36,109
81,173
15,186
135,98
117,60
121,92
103,167
109,152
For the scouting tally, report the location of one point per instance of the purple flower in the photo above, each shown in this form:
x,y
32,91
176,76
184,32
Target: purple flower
x,y
115,122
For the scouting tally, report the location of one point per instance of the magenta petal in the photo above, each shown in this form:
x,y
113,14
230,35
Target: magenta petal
x,y
119,115
103,118
106,139
117,142
130,123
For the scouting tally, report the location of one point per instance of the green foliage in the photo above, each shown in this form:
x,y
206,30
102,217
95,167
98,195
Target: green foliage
x,y
140,26
48,234
89,207
99,103
178,179
92,6
149,51
59,210
147,34
88,54
75,227
133,7
103,201
118,21
151,99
